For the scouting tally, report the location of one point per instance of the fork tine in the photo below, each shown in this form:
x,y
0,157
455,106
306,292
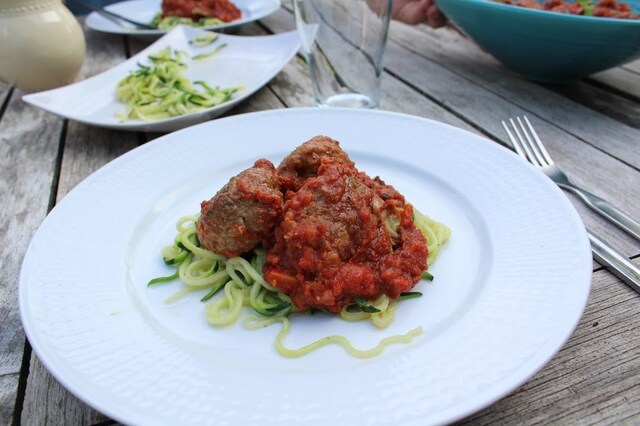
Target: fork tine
x,y
539,144
524,145
531,144
513,140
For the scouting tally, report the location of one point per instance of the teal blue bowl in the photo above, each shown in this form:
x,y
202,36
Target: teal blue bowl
x,y
547,46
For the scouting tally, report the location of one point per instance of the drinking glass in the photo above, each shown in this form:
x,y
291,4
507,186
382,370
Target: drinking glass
x,y
343,42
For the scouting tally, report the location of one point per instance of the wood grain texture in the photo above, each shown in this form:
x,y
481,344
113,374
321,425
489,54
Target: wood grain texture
x,y
8,390
29,141
633,66
48,403
601,99
620,79
5,89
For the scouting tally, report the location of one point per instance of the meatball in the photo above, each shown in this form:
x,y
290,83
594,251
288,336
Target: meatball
x,y
303,162
243,213
344,236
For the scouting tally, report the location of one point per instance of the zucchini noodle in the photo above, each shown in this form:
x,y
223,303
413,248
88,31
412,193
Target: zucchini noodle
x,y
255,322
163,90
171,22
436,234
243,285
381,319
203,39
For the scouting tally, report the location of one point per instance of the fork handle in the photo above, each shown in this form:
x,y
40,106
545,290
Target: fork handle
x,y
606,209
113,17
617,263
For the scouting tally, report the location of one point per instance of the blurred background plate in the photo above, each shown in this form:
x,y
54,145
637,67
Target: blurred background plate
x,y
144,11
547,46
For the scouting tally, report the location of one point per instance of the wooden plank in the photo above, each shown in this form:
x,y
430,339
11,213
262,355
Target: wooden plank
x,y
28,154
5,89
86,148
601,99
8,390
621,79
633,66
48,403
593,379
469,100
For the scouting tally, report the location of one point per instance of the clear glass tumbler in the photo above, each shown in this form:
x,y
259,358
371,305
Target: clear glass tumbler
x,y
343,42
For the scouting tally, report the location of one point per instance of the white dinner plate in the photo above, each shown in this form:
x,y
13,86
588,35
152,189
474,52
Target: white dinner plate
x,y
247,62
144,10
509,288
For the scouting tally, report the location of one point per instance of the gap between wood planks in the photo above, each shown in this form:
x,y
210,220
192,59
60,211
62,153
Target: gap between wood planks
x,y
25,365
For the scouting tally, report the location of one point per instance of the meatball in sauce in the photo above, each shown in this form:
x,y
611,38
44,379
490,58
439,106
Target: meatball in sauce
x,y
333,234
344,236
243,213
303,162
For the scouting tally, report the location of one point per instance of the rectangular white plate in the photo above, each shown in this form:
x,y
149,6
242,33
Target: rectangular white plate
x,y
250,62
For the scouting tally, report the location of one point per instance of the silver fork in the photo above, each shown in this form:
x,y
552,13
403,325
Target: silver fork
x,y
531,148
114,17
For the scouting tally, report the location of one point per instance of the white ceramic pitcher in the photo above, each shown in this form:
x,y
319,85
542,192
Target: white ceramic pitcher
x,y
42,45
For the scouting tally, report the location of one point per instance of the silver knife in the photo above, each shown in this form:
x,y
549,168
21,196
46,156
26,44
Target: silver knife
x,y
614,261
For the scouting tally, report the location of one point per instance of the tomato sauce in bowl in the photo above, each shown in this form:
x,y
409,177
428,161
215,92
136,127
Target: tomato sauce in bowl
x,y
603,8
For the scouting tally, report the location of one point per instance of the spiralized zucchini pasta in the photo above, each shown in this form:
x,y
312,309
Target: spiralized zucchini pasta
x,y
163,90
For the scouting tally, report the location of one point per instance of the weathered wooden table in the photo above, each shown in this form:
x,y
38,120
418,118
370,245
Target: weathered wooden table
x,y
591,128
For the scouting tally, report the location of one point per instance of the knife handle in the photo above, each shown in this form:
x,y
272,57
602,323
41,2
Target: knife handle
x,y
616,262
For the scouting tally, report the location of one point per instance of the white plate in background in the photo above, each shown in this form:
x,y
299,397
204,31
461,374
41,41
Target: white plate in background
x,y
249,62
143,11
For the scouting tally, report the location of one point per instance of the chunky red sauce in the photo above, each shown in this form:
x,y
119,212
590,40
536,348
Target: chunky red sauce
x,y
198,9
338,235
335,244
603,8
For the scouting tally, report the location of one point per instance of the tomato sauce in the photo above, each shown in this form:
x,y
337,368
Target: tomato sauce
x,y
603,8
344,236
198,9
